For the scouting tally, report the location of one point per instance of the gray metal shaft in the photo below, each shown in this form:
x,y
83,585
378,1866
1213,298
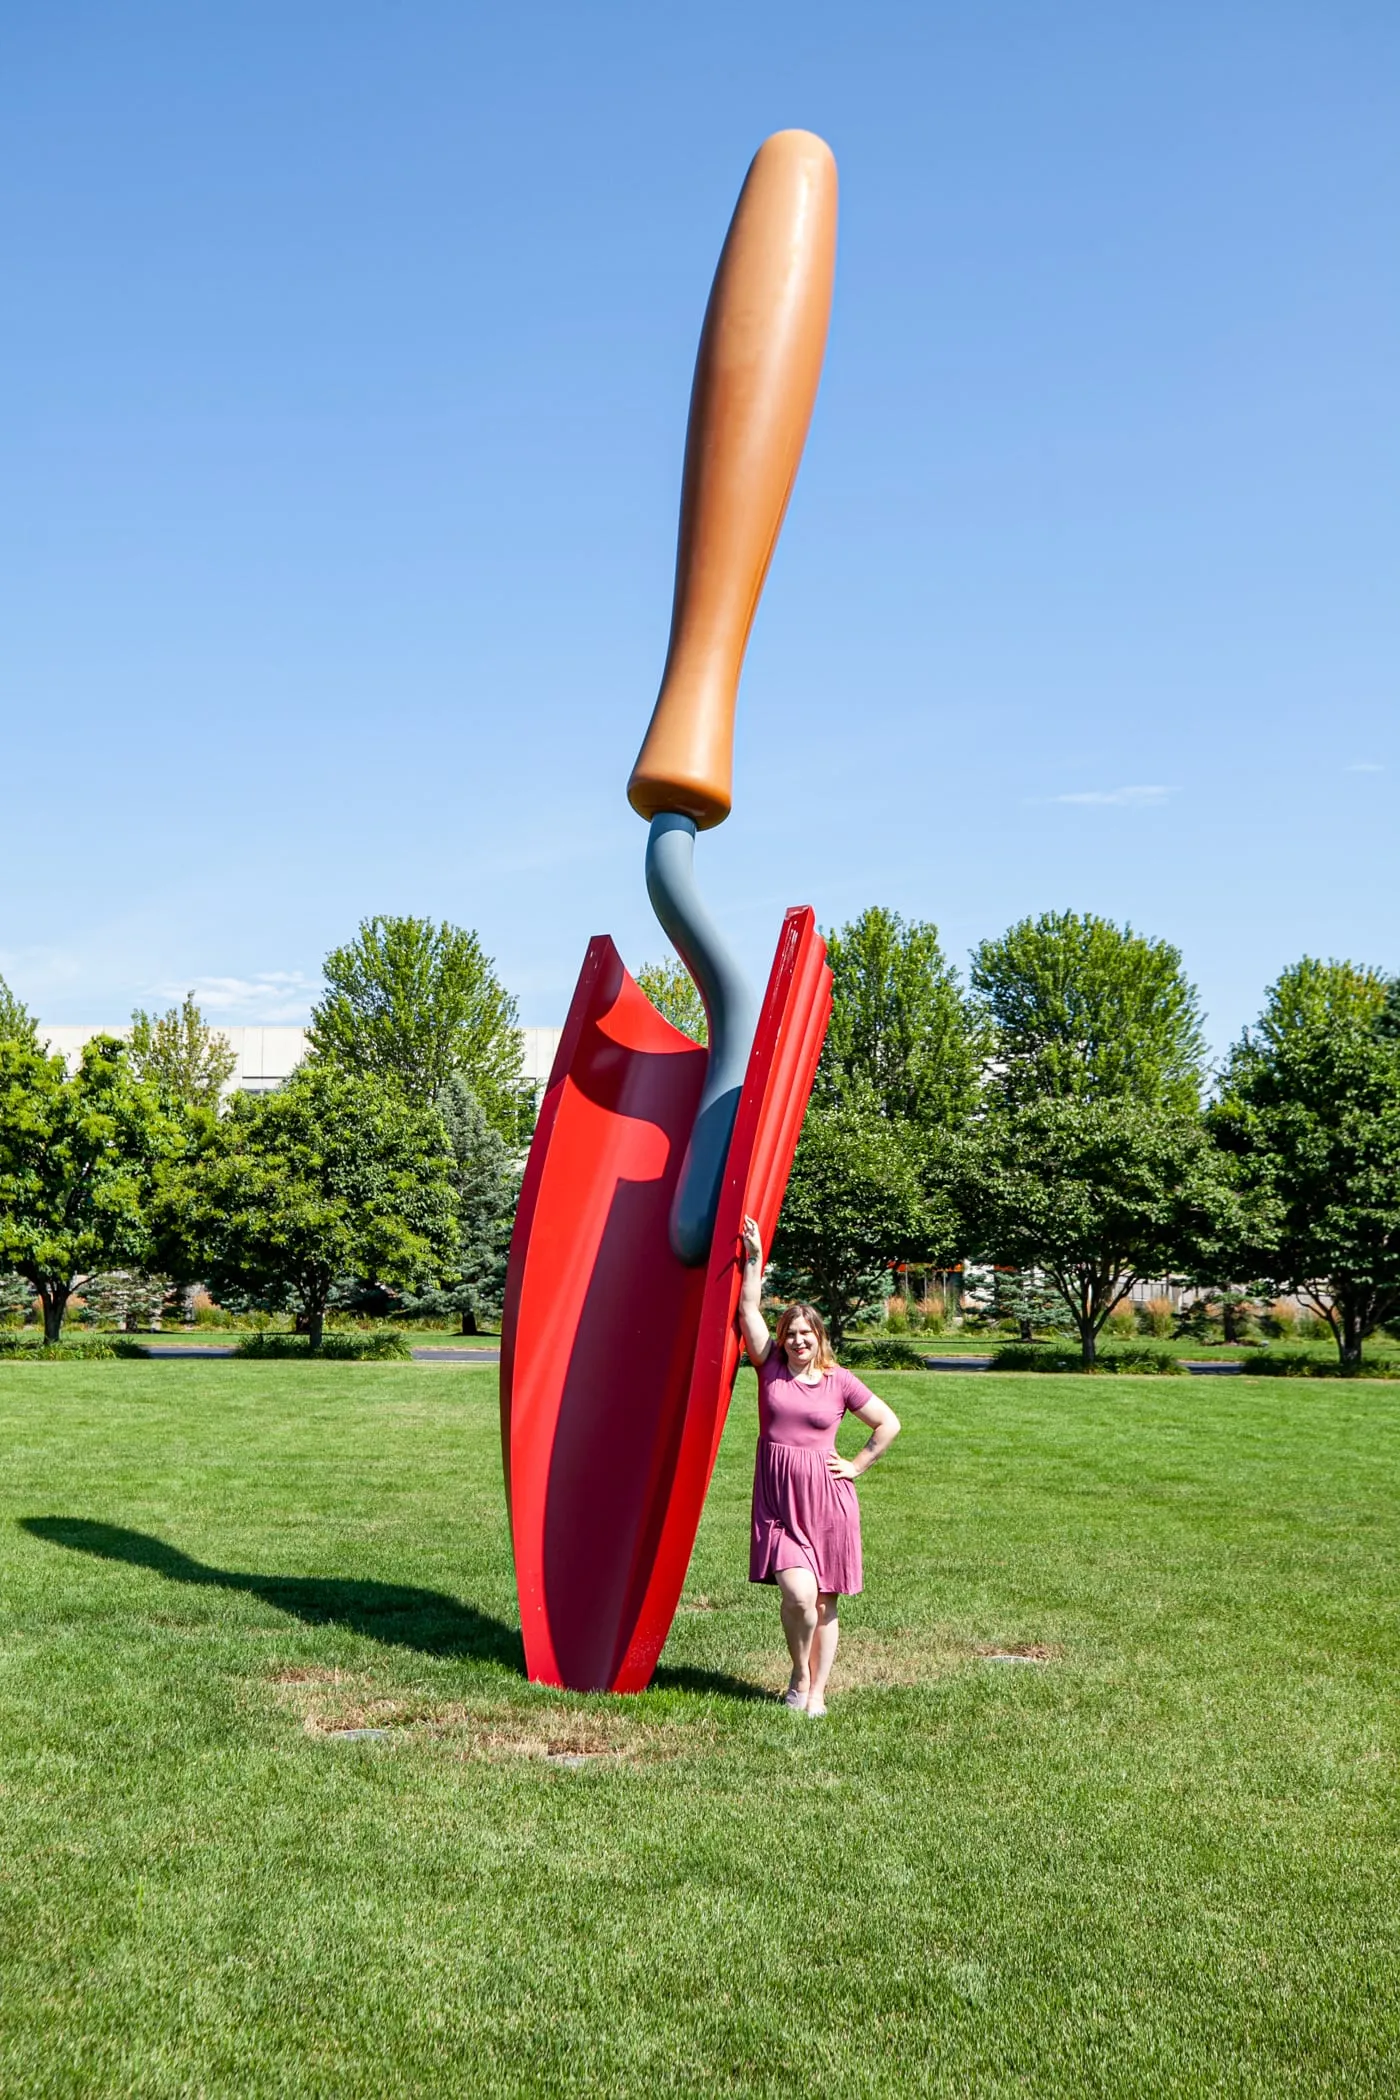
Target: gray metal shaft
x,y
732,1012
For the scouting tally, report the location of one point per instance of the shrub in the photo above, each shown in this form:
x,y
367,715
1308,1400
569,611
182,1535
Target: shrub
x,y
1200,1321
1157,1318
1036,1356
1057,1356
386,1345
1294,1363
1313,1328
932,1315
27,1345
1120,1321
1281,1320
882,1354
1143,1362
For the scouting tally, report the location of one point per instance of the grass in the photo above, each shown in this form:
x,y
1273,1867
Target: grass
x,y
1159,1859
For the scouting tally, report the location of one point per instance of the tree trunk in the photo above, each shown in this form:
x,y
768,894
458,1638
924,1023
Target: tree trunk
x,y
469,1325
1088,1340
54,1299
1027,1330
1229,1320
315,1325
1350,1336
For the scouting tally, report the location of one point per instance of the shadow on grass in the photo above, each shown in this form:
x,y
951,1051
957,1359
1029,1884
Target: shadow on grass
x,y
392,1612
427,1621
707,1684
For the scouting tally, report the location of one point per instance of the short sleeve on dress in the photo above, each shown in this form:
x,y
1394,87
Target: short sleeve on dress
x,y
854,1395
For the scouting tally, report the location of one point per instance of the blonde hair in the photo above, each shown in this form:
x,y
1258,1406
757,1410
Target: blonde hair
x,y
825,1360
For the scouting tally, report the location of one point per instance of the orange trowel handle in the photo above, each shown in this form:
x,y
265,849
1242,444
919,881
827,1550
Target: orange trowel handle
x,y
755,382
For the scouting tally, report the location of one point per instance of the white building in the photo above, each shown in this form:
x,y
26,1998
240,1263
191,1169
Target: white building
x,y
267,1056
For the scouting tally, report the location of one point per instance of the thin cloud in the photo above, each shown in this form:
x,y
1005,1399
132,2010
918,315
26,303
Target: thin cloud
x,y
1123,797
1364,766
275,995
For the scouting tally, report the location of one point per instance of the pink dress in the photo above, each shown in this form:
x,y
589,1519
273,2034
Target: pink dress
x,y
803,1516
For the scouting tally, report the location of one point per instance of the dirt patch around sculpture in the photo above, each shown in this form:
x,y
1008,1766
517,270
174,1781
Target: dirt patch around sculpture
x,y
339,1705
906,1656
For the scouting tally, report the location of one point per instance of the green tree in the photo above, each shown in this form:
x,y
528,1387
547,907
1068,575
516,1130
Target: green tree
x,y
78,1161
856,1202
671,990
414,1002
1309,1107
1096,1193
901,1030
1081,1007
186,1060
1312,995
487,1185
1390,1012
16,1021
336,1174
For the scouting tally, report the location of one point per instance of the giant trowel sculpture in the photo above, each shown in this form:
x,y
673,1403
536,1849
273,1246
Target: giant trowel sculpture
x,y
619,1346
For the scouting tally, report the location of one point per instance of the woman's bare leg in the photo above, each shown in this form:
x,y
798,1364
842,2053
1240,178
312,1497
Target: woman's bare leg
x,y
823,1651
798,1588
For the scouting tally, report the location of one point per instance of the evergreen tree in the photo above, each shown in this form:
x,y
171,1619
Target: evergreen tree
x,y
487,1186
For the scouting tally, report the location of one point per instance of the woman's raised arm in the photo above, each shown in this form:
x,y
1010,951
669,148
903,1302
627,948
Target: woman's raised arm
x,y
752,1325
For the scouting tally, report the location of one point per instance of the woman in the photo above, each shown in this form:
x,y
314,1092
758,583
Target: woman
x,y
806,1520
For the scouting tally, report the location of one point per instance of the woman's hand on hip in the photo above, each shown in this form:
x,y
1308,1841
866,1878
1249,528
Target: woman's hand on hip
x,y
841,1468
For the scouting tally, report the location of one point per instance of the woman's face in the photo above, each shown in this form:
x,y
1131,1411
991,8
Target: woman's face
x,y
800,1345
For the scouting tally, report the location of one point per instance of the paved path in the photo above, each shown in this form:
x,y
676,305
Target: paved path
x,y
155,1347
446,1353
456,1356
984,1363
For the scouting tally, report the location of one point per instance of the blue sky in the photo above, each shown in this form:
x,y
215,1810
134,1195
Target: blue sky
x,y
345,370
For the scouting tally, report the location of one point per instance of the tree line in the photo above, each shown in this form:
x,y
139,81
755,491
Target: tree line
x,y
382,1176
1053,1118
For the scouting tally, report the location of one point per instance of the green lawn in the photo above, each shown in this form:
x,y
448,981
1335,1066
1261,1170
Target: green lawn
x,y
1164,1860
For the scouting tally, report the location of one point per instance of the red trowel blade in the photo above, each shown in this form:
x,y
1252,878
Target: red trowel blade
x,y
616,1361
